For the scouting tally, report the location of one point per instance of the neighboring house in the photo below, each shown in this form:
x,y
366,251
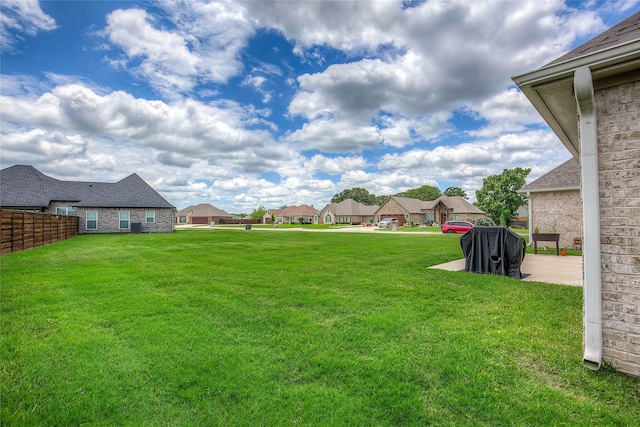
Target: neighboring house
x,y
348,212
204,213
521,220
122,207
446,208
404,209
555,204
293,215
590,98
407,210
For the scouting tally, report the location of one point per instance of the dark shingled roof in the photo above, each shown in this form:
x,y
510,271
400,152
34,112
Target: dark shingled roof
x,y
564,177
626,31
26,187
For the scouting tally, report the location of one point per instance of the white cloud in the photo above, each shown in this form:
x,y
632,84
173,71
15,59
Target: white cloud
x,y
335,136
203,46
21,17
335,165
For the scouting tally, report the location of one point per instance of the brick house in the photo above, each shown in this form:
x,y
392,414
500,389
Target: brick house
x,y
590,98
555,203
416,211
293,215
204,213
129,205
348,212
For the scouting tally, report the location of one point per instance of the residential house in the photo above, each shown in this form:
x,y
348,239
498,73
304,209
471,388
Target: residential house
x,y
590,98
348,212
555,203
404,209
446,208
129,205
204,213
304,214
415,211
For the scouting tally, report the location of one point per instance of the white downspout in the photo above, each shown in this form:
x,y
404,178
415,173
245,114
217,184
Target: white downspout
x,y
530,218
583,84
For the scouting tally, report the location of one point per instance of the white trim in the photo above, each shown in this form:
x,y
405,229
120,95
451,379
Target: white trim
x,y
120,220
603,58
583,83
86,220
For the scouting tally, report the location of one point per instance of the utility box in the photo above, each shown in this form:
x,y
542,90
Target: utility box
x,y
136,227
493,250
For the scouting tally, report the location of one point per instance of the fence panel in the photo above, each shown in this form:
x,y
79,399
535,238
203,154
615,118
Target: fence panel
x,y
25,230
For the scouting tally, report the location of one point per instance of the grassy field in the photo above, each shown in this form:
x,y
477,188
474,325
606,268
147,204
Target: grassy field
x,y
250,328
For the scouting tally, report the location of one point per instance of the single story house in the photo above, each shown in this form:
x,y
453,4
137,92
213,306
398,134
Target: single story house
x,y
129,205
555,203
293,215
415,211
348,212
590,98
204,213
446,208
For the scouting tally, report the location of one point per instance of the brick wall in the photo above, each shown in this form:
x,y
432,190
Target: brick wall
x,y
109,219
557,212
391,207
618,112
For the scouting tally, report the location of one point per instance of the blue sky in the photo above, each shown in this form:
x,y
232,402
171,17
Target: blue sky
x,y
242,104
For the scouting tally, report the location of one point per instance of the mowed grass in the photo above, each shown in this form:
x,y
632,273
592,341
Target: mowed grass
x,y
269,328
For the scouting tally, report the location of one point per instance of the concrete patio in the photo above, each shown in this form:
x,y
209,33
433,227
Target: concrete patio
x,y
563,270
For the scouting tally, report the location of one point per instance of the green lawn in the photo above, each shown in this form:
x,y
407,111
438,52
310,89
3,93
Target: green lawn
x,y
250,328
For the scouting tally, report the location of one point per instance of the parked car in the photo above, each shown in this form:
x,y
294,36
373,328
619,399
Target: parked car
x,y
387,222
460,227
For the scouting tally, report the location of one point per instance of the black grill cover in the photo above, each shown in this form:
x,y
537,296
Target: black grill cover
x,y
493,250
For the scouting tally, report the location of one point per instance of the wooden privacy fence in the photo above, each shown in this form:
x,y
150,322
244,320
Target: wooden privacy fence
x,y
25,230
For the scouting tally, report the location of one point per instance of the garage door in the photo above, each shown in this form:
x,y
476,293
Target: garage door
x,y
199,220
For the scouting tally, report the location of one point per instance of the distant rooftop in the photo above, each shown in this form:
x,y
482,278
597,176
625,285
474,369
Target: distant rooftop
x,y
564,177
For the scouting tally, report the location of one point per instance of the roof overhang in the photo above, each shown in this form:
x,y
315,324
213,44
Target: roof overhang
x,y
550,89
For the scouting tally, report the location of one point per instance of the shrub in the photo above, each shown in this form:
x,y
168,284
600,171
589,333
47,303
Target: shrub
x,y
485,222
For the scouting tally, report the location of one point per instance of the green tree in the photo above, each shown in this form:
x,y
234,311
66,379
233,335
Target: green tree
x,y
498,196
455,191
425,193
360,195
380,200
258,212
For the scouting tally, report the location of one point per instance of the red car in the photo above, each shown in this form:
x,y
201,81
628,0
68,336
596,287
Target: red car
x,y
460,227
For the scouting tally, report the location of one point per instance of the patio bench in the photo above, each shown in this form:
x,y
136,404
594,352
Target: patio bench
x,y
546,237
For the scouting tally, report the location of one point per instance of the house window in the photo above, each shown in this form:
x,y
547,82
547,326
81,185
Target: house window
x,y
66,211
182,220
328,219
151,217
92,220
124,219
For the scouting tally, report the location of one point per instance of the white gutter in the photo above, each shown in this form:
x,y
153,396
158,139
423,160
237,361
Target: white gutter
x,y
583,84
530,205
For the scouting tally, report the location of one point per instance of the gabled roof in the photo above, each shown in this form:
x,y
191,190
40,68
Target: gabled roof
x,y
458,205
408,204
203,209
302,210
350,207
564,177
550,88
26,187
